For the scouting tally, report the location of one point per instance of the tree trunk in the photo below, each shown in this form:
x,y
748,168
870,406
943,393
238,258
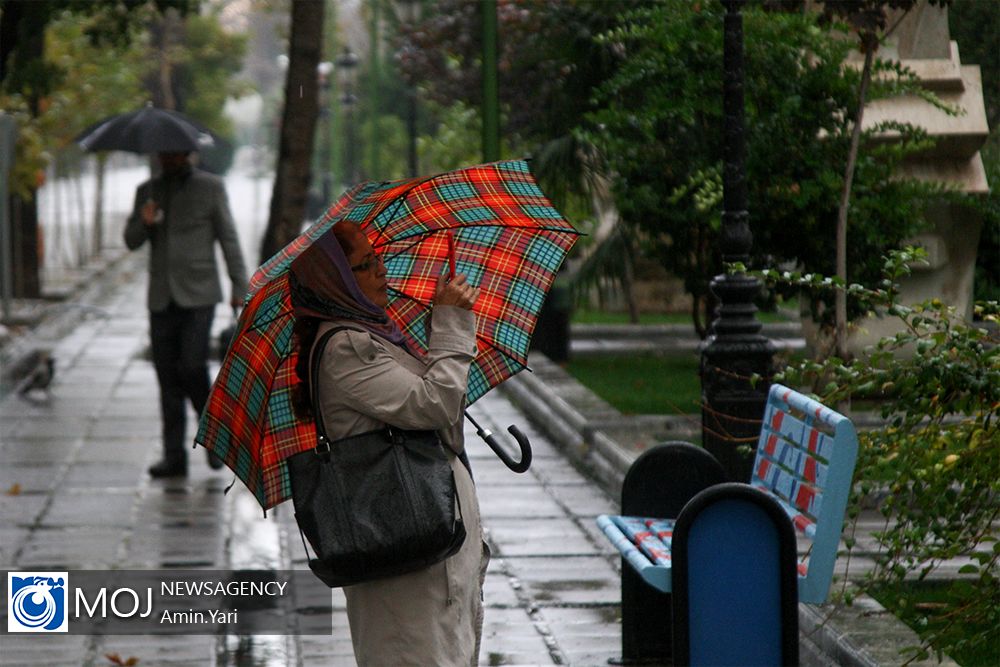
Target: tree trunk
x,y
840,303
99,168
628,279
298,128
80,209
165,30
22,43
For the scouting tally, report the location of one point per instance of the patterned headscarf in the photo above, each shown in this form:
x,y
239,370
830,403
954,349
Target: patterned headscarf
x,y
323,286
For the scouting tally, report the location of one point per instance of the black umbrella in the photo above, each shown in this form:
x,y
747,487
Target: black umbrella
x,y
149,130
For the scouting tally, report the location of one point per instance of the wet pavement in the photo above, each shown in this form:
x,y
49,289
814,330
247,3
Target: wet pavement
x,y
74,495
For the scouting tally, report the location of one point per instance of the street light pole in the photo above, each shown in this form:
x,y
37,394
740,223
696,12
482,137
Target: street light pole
x,y
374,85
325,70
735,350
491,95
409,12
345,64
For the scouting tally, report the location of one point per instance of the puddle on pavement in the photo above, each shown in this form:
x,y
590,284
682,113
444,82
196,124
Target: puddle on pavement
x,y
254,542
256,651
546,590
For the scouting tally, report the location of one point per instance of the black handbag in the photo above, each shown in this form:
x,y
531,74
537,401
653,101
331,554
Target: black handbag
x,y
374,505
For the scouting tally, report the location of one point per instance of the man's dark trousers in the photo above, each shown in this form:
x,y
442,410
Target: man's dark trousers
x,y
180,338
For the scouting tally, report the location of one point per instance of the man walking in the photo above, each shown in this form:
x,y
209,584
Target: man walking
x,y
182,213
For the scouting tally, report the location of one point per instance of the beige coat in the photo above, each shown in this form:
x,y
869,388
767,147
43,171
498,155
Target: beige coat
x,y
432,617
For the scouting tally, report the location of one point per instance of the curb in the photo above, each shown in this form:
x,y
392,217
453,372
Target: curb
x,y
22,351
864,634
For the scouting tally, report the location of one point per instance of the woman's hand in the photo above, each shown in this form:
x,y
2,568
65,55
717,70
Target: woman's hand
x,y
455,292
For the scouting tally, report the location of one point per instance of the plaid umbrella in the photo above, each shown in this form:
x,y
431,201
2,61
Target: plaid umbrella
x,y
510,242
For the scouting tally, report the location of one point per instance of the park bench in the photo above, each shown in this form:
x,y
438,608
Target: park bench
x,y
801,479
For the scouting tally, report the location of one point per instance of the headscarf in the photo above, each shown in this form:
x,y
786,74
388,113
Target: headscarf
x,y
323,286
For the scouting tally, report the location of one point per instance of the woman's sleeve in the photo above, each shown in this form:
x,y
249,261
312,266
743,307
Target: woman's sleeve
x,y
369,380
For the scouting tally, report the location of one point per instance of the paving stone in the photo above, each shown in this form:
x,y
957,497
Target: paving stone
x,y
73,548
57,428
559,473
124,451
162,649
583,500
48,649
82,508
103,475
44,450
83,387
567,580
59,406
539,537
517,502
131,428
494,473
11,541
497,590
23,509
14,409
29,477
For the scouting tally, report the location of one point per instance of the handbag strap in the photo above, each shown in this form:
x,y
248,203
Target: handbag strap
x,y
322,442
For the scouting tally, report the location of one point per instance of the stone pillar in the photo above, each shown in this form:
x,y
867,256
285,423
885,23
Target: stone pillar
x,y
922,43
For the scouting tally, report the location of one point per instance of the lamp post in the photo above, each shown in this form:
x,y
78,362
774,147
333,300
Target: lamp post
x,y
325,69
409,13
735,350
491,94
345,63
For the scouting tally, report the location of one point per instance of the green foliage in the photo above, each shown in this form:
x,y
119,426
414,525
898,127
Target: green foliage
x,y
661,134
207,65
92,82
934,464
975,25
924,607
454,142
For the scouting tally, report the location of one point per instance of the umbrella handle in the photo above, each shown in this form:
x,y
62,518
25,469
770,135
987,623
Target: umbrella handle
x,y
522,441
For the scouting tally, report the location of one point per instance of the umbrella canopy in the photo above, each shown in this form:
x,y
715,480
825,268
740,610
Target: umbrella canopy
x,y
510,242
148,130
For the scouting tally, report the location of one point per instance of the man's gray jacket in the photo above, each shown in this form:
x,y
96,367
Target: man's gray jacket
x,y
182,263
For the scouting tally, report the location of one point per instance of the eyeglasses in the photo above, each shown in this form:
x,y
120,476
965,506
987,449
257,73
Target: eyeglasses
x,y
371,261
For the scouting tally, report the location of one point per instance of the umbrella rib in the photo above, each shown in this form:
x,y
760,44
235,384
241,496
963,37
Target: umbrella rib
x,y
398,201
510,355
418,238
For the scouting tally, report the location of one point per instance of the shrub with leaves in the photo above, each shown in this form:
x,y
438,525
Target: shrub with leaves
x,y
934,466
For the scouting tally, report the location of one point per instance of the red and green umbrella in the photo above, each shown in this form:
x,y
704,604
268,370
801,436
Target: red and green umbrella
x,y
509,240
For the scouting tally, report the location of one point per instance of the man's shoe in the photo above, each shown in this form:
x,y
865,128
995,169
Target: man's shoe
x,y
214,462
168,469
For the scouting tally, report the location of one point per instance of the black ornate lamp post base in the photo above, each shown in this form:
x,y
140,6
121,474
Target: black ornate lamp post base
x,y
735,352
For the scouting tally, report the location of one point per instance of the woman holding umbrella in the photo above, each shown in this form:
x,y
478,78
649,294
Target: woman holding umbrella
x,y
369,377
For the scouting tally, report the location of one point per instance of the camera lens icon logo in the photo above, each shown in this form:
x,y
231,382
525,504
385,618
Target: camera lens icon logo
x,y
36,601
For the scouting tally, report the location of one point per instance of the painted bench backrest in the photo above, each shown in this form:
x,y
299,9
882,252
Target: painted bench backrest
x,y
805,458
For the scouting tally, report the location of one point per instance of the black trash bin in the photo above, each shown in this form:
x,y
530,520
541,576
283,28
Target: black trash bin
x,y
551,336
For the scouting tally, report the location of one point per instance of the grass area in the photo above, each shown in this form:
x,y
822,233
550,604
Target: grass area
x,y
642,383
587,316
921,605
